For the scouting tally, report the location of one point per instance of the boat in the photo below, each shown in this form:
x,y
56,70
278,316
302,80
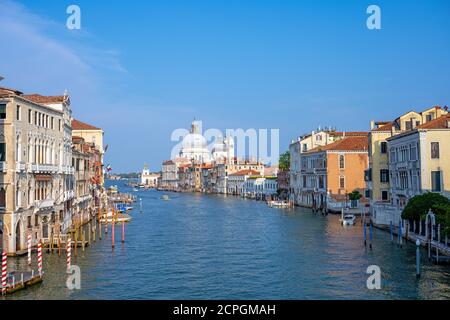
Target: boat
x,y
135,190
349,220
165,197
278,204
119,219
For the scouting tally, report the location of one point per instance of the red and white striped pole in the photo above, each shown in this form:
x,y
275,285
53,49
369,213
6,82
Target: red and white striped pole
x,y
4,267
29,248
40,258
69,253
123,231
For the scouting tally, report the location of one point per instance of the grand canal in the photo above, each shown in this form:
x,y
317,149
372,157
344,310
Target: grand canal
x,y
215,247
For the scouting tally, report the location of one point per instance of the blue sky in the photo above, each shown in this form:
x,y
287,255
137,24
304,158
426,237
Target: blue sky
x,y
140,69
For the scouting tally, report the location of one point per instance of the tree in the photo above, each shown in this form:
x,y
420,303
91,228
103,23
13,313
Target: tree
x,y
355,195
418,207
285,161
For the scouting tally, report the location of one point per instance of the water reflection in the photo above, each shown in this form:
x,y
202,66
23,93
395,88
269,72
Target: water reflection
x,y
212,247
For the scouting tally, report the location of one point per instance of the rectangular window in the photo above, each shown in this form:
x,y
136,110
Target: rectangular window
x,y
384,196
2,111
429,117
436,181
30,116
36,118
384,176
2,152
384,147
18,117
435,150
341,182
408,125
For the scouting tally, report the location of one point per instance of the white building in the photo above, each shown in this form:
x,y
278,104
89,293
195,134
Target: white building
x,y
236,181
259,187
149,179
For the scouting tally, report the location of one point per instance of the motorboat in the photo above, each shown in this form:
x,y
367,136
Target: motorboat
x,y
278,204
349,220
165,197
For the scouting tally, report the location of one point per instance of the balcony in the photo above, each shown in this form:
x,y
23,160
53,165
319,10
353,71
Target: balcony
x,y
20,167
45,204
42,168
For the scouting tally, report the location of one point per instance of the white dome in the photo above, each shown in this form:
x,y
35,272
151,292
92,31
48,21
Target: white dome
x,y
194,141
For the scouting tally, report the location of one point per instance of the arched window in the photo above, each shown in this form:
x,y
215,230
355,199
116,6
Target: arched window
x,y
18,146
341,161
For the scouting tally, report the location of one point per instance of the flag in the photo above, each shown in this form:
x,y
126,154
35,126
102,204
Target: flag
x,y
108,168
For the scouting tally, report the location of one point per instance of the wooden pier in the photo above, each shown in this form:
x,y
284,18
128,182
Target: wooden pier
x,y
19,280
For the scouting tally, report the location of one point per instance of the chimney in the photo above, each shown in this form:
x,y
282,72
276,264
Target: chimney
x,y
372,124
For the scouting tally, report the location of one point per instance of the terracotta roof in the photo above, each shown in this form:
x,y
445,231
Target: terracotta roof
x,y
348,134
386,127
357,143
246,173
438,123
78,125
168,162
37,98
4,92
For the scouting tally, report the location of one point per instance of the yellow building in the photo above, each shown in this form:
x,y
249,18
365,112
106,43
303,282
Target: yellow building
x,y
378,176
90,134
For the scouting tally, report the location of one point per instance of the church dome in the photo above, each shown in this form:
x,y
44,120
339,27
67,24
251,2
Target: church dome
x,y
194,141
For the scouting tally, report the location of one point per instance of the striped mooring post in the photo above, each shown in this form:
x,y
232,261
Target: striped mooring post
x,y
40,258
69,253
4,267
123,231
29,248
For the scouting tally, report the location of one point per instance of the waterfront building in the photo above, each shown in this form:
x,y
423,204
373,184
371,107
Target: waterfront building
x,y
90,134
304,143
149,179
418,163
260,187
169,173
224,170
36,176
85,160
377,176
332,171
184,177
283,178
236,181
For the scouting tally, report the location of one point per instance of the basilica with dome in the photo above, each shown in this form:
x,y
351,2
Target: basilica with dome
x,y
195,147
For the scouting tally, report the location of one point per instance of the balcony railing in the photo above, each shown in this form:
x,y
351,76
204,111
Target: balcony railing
x,y
20,167
41,168
44,204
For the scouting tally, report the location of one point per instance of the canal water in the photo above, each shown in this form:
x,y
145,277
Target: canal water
x,y
215,247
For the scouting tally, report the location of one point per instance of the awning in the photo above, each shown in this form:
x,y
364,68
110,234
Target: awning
x,y
43,177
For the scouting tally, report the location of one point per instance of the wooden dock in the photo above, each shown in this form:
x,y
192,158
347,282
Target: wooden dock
x,y
19,280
